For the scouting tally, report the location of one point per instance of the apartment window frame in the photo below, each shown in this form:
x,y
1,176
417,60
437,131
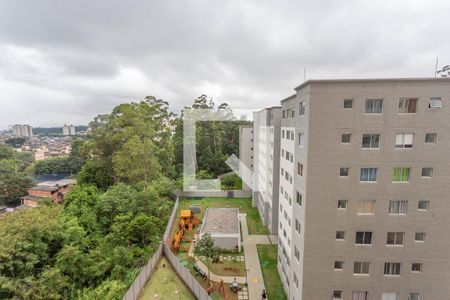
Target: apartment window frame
x,y
337,295
346,138
342,204
431,138
426,207
420,237
338,265
348,103
344,172
435,102
416,267
298,198
390,296
368,174
301,108
401,174
366,205
392,269
395,238
300,169
361,268
374,141
408,104
404,140
398,207
374,106
340,235
360,295
414,296
365,239
427,172
301,139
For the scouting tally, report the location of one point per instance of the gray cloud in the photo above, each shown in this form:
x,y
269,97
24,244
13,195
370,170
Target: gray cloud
x,y
67,61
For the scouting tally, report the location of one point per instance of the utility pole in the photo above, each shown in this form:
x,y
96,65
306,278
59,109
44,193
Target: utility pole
x,y
436,68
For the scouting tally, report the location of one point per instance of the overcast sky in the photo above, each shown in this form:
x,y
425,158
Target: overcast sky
x,y
67,61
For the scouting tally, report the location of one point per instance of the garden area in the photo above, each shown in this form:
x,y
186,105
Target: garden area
x,y
244,204
268,259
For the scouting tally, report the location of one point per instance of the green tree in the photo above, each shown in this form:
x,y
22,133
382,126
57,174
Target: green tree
x,y
12,187
205,247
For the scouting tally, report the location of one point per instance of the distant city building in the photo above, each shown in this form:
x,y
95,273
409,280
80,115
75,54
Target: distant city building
x,y
68,129
22,130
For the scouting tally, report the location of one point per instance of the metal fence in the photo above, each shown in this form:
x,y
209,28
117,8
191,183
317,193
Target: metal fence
x,y
183,273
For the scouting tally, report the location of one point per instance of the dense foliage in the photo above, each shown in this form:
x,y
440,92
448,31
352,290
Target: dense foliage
x,y
62,165
132,144
92,248
215,140
13,181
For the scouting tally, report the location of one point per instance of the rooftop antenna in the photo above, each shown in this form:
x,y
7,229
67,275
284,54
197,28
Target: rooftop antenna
x,y
304,74
436,68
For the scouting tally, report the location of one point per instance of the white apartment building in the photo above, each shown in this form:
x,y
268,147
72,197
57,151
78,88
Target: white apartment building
x,y
22,130
68,130
266,175
246,149
363,190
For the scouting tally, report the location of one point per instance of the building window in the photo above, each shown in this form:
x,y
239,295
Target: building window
x,y
342,204
282,134
365,207
363,238
288,134
297,226
398,207
284,114
348,103
407,105
404,140
343,172
360,295
420,236
300,169
414,296
361,267
296,253
392,268
298,198
374,106
302,108
431,138
390,296
395,238
345,138
400,174
368,174
340,235
337,295
301,140
339,265
296,279
423,205
416,267
371,141
435,103
427,172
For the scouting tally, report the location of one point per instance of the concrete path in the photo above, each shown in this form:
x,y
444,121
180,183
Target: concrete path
x,y
255,279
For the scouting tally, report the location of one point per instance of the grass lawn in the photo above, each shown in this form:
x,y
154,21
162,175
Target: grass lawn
x,y
164,283
227,268
268,259
244,204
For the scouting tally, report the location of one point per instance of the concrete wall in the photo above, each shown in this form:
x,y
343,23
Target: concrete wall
x,y
246,148
229,194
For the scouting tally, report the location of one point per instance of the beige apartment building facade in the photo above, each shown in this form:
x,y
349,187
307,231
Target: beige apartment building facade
x,y
364,208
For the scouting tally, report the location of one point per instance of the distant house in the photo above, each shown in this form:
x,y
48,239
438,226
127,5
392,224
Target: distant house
x,y
53,190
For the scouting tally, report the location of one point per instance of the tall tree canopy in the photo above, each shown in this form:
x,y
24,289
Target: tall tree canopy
x,y
132,144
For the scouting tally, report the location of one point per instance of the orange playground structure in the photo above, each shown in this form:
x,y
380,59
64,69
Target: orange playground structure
x,y
188,221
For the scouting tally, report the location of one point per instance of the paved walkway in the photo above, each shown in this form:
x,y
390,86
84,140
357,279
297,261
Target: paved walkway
x,y
255,279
